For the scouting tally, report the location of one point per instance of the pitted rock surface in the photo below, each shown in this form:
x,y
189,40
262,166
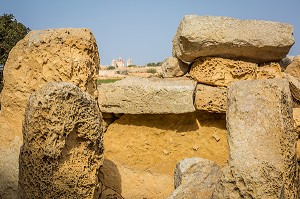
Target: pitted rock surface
x,y
62,151
218,71
69,55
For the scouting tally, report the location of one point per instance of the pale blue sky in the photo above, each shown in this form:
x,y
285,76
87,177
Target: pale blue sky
x,y
139,29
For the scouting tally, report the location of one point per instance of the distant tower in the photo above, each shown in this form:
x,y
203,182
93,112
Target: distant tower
x,y
113,63
129,62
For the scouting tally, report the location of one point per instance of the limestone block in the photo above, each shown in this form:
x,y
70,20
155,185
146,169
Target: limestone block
x,y
221,72
269,71
141,95
262,142
173,67
294,85
294,68
210,98
195,178
247,40
69,55
62,151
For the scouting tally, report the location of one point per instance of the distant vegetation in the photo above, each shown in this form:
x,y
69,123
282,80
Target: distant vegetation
x,y
111,68
151,70
105,81
154,64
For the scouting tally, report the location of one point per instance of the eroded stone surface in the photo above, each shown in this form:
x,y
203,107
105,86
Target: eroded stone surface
x,y
173,67
195,178
262,142
62,150
210,98
221,72
153,95
248,40
69,55
269,71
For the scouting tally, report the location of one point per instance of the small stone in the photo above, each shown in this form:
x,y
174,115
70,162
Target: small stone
x,y
217,138
166,152
195,147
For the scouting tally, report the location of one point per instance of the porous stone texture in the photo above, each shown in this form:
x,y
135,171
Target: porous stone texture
x,y
221,72
262,142
62,150
218,71
69,55
294,68
173,67
140,161
247,40
141,95
195,178
210,98
269,71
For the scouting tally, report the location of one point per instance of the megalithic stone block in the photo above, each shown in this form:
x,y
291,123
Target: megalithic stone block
x,y
62,151
248,40
147,95
262,142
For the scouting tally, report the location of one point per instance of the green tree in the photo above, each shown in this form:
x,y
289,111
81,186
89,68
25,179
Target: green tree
x,y
11,31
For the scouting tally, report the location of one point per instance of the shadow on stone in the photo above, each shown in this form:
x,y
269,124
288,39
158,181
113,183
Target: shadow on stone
x,y
110,176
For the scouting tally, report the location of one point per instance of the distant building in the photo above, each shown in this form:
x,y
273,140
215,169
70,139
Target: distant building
x,y
129,62
120,63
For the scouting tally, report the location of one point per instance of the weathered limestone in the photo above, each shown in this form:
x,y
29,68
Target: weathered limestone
x,y
195,178
296,116
210,98
247,40
140,95
140,161
269,71
173,67
294,68
262,142
221,72
62,150
69,55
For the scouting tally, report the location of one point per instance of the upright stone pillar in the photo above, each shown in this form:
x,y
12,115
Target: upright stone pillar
x,y
62,150
262,142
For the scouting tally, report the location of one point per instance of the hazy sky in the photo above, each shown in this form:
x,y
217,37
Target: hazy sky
x,y
139,29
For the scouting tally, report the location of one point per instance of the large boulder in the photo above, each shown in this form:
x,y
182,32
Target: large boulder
x,y
211,98
262,142
294,68
140,161
248,40
69,55
173,67
195,178
62,149
153,95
